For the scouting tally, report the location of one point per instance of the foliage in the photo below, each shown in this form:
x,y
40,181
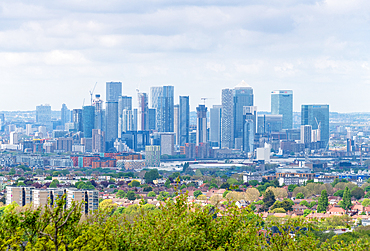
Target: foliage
x,y
323,202
278,192
253,183
357,192
291,187
151,175
134,183
306,212
225,193
346,202
120,194
339,193
197,193
304,203
151,194
131,195
343,185
268,200
300,196
84,185
278,210
366,202
285,204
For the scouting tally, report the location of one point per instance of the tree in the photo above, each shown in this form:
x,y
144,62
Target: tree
x,y
225,193
291,187
197,193
121,194
216,199
151,194
183,186
357,192
185,167
366,202
278,192
336,181
131,195
167,183
300,196
312,204
323,202
339,193
202,197
278,210
346,202
268,200
251,194
306,212
253,183
304,203
108,205
151,175
134,183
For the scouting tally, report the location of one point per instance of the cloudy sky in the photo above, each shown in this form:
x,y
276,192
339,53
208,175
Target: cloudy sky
x,y
55,51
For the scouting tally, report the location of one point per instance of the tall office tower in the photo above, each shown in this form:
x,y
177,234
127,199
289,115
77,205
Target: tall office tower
x,y
167,140
155,93
99,114
124,103
113,91
65,115
201,124
127,124
13,138
176,125
269,123
282,103
152,117
215,125
306,134
227,122
111,116
43,116
243,96
134,120
77,119
143,112
249,128
317,116
98,141
184,120
163,101
29,130
88,120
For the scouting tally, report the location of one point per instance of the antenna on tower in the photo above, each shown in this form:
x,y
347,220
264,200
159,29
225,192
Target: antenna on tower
x,y
92,93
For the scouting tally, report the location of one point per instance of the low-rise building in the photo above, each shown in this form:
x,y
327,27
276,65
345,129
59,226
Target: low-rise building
x,y
252,176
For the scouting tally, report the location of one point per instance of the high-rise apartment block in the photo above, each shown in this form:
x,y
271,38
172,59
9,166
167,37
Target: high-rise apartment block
x,y
176,124
163,101
88,117
143,112
317,116
43,116
201,124
282,103
98,141
227,122
184,120
77,119
243,96
113,91
215,125
153,156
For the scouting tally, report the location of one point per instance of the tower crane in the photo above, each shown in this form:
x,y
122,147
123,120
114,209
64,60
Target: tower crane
x,y
92,93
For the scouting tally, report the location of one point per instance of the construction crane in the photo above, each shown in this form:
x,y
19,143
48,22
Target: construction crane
x,y
204,100
92,93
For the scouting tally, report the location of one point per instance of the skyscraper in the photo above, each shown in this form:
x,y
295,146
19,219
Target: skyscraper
x,y
113,94
77,119
249,128
111,115
152,117
124,103
43,116
113,91
242,96
88,120
282,103
98,141
163,101
65,115
227,126
201,124
143,112
215,125
176,124
317,116
184,120
99,114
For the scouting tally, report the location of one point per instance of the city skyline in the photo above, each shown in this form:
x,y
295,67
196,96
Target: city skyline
x,y
316,48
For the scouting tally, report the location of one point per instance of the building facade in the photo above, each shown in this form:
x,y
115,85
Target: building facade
x,y
282,104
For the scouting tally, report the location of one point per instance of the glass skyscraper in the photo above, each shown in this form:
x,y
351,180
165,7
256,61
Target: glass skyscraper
x,y
242,96
113,91
88,120
215,125
282,104
163,101
317,116
227,126
184,120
